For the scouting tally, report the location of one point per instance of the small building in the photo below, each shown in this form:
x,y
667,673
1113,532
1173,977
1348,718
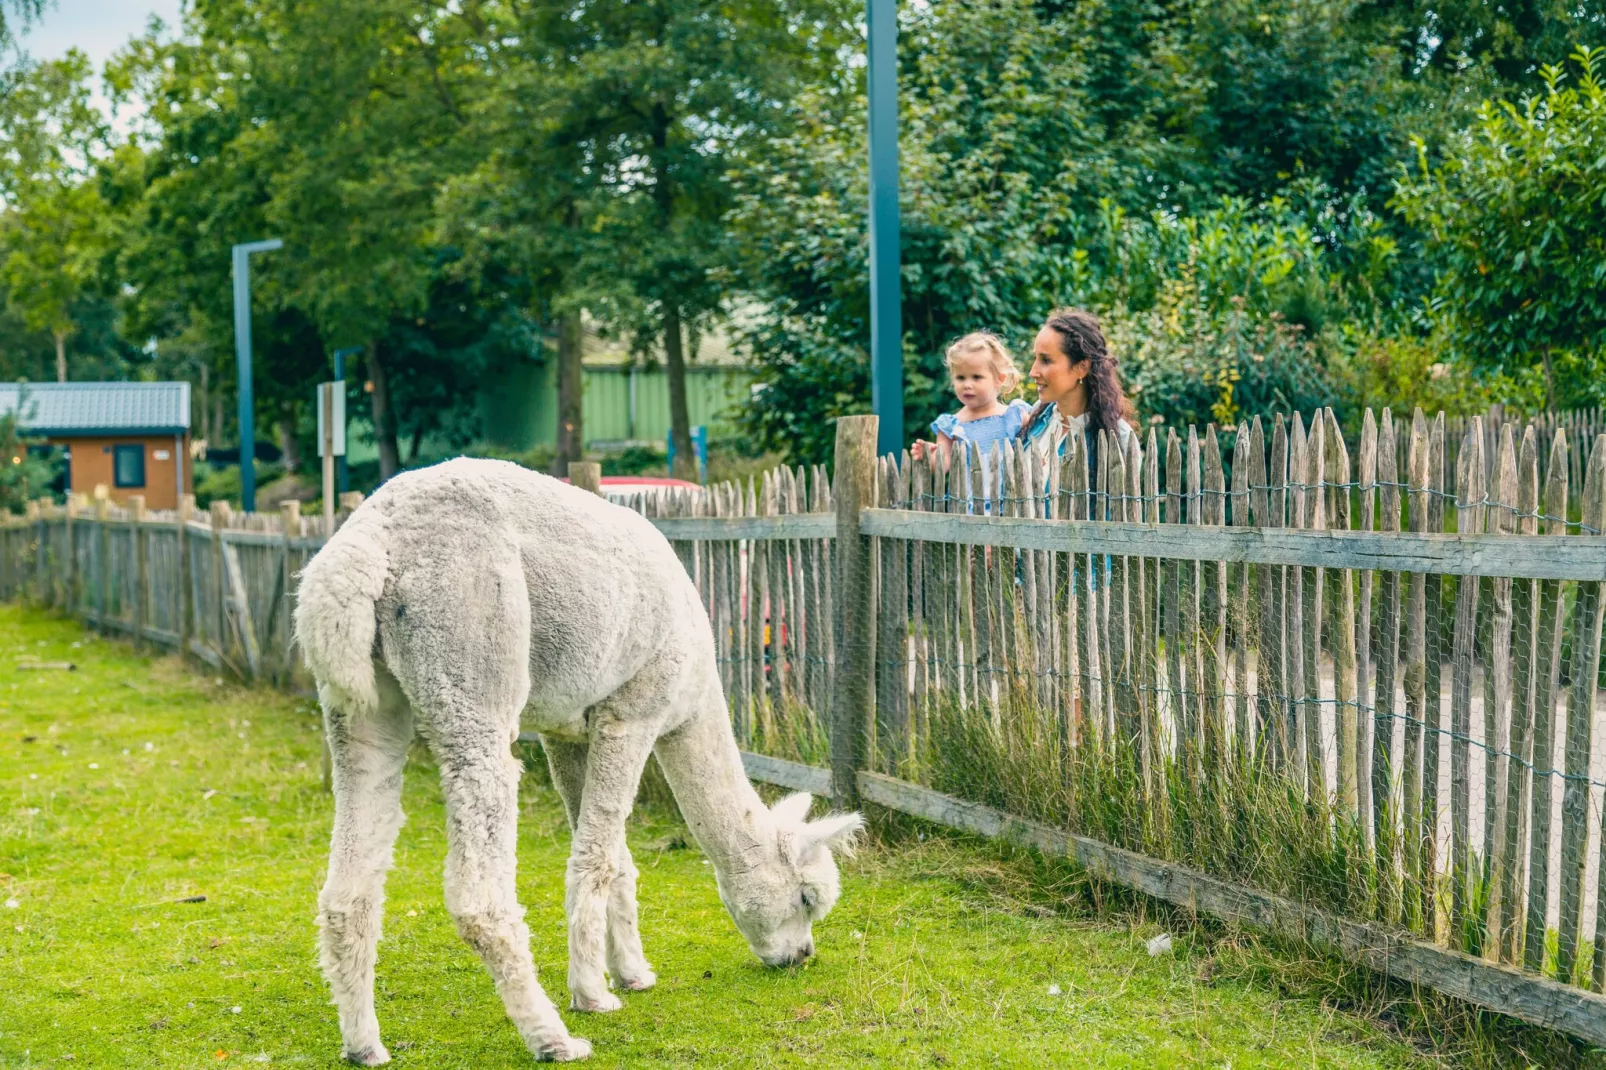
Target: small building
x,y
132,437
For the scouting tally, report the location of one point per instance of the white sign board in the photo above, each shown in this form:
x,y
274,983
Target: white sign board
x,y
339,421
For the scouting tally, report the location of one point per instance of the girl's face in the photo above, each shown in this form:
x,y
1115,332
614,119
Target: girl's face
x,y
976,384
1056,377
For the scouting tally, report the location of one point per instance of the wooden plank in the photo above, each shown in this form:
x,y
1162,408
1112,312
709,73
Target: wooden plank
x,y
1213,608
765,528
1536,1000
1469,509
787,774
1386,762
1313,580
1410,773
1575,802
1238,669
1154,773
1173,600
1525,624
1434,735
1581,557
1265,662
1548,673
239,597
1344,679
1497,697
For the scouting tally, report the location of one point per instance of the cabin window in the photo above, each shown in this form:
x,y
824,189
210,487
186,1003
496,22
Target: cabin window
x,y
128,466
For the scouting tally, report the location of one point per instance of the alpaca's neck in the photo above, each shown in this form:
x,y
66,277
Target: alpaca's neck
x,y
704,769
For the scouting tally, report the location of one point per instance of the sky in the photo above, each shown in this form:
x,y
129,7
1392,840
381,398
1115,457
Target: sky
x,y
96,27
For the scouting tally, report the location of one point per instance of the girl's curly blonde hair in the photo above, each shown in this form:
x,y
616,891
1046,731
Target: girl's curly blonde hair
x,y
998,358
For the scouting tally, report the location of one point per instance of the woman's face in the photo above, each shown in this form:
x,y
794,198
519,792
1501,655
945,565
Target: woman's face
x,y
1056,377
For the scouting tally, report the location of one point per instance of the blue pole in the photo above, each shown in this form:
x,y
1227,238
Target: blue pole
x,y
242,362
886,323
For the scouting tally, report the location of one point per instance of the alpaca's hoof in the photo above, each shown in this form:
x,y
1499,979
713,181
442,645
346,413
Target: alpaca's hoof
x,y
567,1050
601,1003
374,1056
639,981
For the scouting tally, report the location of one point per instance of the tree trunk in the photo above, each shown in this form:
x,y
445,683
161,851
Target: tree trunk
x,y
571,391
679,418
288,443
384,415
61,356
416,444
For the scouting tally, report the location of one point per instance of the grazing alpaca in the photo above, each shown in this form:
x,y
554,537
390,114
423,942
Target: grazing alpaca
x,y
465,597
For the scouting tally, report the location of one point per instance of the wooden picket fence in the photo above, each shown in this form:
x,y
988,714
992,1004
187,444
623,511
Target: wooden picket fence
x,y
221,588
1347,692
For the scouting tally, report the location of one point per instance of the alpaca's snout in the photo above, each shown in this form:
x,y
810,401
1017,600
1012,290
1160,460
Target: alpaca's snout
x,y
800,956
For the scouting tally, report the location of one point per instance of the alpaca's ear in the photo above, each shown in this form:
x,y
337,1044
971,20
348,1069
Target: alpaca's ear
x,y
794,809
835,831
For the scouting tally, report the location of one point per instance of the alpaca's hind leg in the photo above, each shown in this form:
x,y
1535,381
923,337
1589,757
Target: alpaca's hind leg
x,y
481,780
368,752
567,763
599,865
627,965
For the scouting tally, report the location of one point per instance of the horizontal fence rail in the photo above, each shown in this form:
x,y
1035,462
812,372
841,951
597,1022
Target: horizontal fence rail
x,y
1347,689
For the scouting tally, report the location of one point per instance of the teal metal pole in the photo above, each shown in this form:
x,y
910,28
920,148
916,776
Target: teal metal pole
x,y
242,361
341,477
886,315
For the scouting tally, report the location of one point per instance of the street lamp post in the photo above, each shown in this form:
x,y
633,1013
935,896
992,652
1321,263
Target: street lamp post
x,y
886,326
242,362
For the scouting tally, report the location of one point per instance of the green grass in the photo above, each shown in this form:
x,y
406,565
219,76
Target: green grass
x,y
132,783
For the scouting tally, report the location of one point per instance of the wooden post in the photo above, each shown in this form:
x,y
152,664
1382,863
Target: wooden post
x,y
136,516
851,713
587,475
70,582
290,523
220,621
186,584
103,548
327,403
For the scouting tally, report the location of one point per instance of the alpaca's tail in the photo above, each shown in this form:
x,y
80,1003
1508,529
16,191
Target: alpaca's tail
x,y
335,620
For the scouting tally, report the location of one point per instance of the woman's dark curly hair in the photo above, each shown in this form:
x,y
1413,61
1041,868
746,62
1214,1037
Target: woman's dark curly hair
x,y
1082,339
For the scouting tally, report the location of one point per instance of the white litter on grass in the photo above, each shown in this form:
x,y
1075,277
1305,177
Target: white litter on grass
x,y
857,935
94,765
33,776
1159,945
150,746
1053,990
262,1057
234,1010
208,794
12,904
412,913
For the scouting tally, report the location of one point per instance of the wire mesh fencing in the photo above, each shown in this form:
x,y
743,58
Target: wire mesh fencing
x,y
1379,695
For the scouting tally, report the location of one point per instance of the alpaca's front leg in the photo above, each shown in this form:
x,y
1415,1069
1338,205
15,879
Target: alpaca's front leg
x,y
618,753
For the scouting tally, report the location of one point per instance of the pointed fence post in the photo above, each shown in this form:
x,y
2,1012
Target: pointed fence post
x,y
587,475
852,712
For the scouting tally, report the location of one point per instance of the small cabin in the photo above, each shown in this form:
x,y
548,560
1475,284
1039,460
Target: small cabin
x,y
132,437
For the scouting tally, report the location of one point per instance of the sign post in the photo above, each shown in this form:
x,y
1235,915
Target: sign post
x,y
242,360
340,377
331,443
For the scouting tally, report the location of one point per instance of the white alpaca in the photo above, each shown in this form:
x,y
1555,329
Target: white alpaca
x,y
465,597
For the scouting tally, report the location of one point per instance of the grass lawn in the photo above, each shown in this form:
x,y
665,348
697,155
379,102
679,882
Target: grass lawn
x,y
131,784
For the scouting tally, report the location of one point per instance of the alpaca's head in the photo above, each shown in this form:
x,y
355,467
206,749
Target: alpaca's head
x,y
789,881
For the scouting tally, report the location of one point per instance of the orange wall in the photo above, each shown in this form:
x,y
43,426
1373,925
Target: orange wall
x,y
92,465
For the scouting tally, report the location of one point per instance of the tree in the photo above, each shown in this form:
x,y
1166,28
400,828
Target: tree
x,y
55,232
622,120
1515,215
